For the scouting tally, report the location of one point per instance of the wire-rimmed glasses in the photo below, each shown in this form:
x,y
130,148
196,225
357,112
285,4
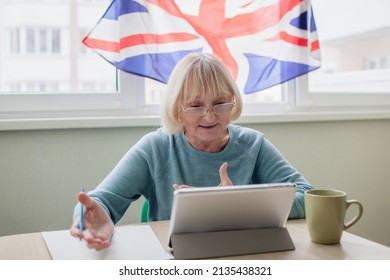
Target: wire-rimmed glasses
x,y
202,110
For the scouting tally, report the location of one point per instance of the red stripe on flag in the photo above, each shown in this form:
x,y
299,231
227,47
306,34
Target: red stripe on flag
x,y
101,44
139,39
289,39
315,45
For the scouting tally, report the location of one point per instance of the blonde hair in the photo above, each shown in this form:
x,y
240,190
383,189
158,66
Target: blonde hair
x,y
197,76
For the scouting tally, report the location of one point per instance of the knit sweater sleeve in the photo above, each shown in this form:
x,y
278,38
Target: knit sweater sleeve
x,y
273,167
127,181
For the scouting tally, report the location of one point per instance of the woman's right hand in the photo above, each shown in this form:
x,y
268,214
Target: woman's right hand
x,y
98,227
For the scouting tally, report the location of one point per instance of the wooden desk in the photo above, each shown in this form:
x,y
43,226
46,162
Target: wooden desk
x,y
32,246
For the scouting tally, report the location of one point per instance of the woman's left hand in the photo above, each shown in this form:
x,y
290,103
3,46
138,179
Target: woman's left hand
x,y
225,180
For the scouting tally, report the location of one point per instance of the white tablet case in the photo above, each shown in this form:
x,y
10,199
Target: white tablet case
x,y
220,221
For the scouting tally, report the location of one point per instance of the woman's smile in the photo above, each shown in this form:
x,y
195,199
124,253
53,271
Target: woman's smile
x,y
208,126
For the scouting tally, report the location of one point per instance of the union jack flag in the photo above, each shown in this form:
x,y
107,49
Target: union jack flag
x,y
262,42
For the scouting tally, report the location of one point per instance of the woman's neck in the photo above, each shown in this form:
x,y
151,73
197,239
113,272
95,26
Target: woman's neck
x,y
214,146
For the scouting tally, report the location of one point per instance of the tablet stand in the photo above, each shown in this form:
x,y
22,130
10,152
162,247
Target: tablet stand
x,y
231,242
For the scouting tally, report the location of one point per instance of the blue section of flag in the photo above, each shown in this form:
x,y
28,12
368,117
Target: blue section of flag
x,y
152,65
313,27
272,72
118,8
300,22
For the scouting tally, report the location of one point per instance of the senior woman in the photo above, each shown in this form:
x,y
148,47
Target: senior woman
x,y
196,146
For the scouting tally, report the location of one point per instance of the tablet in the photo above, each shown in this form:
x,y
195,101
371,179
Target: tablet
x,y
210,209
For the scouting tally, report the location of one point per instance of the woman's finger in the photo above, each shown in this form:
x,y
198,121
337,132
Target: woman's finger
x,y
225,180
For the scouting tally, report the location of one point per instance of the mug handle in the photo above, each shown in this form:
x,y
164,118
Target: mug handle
x,y
358,215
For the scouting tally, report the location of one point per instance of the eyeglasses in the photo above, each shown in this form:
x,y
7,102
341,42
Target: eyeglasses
x,y
217,109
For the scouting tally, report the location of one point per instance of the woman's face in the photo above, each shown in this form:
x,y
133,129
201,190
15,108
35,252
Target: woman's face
x,y
206,130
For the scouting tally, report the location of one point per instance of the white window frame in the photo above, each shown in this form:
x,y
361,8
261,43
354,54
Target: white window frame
x,y
128,101
352,100
76,104
126,108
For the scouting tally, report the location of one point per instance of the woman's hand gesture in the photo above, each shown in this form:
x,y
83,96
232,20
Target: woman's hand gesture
x,y
225,180
98,227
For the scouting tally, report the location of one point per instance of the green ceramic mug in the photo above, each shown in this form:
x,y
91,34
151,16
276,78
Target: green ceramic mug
x,y
325,215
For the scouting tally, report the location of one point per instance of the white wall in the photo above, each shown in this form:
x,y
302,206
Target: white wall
x,y
41,171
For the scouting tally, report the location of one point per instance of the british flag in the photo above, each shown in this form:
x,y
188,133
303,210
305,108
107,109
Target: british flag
x,y
262,42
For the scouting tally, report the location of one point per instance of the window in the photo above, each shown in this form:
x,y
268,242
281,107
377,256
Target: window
x,y
41,66
355,55
37,40
55,40
14,41
45,70
30,40
43,40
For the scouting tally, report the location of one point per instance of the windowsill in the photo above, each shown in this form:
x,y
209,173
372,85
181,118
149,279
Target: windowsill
x,y
154,121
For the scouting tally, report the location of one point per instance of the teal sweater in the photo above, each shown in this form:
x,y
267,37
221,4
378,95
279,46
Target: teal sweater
x,y
159,160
